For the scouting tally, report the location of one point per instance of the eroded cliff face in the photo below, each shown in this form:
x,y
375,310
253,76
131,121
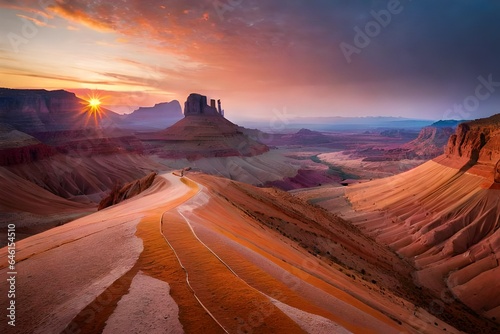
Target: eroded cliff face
x,y
478,141
430,142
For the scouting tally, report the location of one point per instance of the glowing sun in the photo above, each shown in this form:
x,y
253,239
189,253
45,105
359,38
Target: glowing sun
x,y
92,107
94,103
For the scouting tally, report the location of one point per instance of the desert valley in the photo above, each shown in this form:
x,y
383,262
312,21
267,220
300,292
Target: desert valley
x,y
206,226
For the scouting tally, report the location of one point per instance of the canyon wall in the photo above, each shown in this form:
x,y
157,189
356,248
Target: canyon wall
x,y
478,141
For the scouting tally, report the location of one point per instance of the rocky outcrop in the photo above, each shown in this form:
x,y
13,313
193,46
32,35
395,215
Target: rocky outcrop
x,y
476,141
430,142
159,116
25,154
202,133
17,147
121,193
196,104
446,223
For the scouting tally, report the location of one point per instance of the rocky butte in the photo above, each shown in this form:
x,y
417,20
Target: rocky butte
x,y
203,132
196,104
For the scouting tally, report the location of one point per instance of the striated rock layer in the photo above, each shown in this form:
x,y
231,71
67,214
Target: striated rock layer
x,y
445,216
476,141
17,147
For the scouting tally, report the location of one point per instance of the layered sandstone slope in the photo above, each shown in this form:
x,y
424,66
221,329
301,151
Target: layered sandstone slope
x,y
84,179
445,217
203,132
33,209
210,255
46,193
74,164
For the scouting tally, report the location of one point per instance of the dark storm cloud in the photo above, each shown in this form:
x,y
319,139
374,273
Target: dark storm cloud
x,y
428,41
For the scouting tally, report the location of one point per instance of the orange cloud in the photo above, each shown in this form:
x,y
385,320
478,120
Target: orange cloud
x,y
36,10
36,21
80,16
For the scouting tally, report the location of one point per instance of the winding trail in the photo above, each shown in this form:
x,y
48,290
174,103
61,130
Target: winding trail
x,y
223,294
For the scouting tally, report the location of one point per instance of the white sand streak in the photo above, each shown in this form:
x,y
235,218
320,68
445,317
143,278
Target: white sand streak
x,y
147,308
309,322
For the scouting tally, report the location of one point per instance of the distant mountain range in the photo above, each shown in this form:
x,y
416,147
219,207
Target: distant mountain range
x,y
338,123
159,116
39,110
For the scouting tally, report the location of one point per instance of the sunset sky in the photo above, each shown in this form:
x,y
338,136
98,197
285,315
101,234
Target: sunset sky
x,y
422,60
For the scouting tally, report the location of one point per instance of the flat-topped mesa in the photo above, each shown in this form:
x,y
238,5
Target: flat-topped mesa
x,y
196,104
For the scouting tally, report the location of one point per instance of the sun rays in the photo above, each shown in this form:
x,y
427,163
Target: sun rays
x,y
93,108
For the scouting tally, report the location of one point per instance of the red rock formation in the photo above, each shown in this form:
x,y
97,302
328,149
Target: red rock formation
x,y
121,193
17,147
203,132
430,142
497,172
446,221
25,154
196,104
477,141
